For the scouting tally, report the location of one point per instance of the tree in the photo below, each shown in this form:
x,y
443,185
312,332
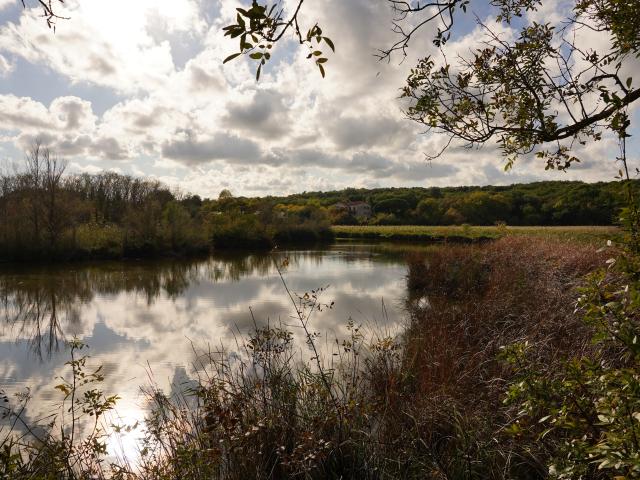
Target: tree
x,y
177,223
33,184
55,217
391,204
429,211
540,91
225,194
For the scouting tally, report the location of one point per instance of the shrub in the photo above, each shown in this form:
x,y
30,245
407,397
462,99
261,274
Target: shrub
x,y
238,231
585,413
72,443
95,240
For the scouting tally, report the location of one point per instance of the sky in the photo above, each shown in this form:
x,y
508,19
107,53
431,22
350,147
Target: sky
x,y
139,87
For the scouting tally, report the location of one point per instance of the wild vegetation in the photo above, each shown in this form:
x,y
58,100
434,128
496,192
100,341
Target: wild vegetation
x,y
486,381
45,214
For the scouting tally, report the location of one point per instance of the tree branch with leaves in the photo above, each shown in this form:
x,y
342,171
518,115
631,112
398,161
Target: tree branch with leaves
x,y
260,27
533,92
539,90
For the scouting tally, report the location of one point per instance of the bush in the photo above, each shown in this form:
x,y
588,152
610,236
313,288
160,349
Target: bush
x,y
72,444
299,234
95,240
585,413
238,231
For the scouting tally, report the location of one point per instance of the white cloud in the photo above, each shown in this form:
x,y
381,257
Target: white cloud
x,y
110,45
6,67
206,126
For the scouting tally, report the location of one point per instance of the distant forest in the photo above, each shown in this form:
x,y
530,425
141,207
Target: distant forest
x,y
539,203
45,213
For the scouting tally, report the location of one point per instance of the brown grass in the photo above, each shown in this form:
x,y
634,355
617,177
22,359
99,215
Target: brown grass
x,y
468,302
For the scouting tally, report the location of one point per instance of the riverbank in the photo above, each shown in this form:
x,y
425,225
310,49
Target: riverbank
x,y
99,243
109,243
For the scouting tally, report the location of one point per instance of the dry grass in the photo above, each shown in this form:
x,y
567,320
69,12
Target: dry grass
x,y
468,302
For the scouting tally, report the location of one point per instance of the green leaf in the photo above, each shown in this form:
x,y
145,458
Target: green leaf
x,y
321,70
256,55
258,72
231,57
328,41
321,60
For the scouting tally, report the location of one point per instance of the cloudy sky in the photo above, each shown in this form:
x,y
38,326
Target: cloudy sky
x,y
139,87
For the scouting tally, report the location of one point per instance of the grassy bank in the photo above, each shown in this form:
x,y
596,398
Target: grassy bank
x,y
466,233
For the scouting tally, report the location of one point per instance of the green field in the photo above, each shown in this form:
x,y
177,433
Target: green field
x,y
468,233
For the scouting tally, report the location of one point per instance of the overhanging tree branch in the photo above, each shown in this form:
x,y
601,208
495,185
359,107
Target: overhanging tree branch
x,y
508,91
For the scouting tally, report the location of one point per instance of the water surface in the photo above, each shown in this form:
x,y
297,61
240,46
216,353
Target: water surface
x,y
143,320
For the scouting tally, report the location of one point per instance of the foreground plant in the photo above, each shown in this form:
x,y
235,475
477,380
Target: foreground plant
x,y
279,411
71,443
585,417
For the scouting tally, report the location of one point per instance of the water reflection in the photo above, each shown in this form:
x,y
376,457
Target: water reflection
x,y
36,310
141,318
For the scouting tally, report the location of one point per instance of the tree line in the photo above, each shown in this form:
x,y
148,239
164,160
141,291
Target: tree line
x,y
46,213
546,203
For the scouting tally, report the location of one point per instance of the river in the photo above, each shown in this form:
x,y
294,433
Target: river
x,y
146,321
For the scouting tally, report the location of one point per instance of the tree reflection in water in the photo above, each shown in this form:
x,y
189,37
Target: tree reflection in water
x,y
42,305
